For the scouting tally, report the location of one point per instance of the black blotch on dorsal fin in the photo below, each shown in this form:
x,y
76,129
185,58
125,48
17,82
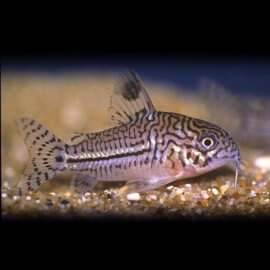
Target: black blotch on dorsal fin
x,y
131,88
128,99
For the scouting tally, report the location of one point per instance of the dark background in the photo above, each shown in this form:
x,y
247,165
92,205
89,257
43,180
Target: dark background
x,y
241,72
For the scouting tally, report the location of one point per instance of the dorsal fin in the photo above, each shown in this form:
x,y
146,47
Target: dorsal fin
x,y
129,97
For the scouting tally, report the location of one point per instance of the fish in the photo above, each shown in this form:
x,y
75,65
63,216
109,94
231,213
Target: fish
x,y
145,147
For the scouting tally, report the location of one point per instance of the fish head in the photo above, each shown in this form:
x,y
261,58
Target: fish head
x,y
211,147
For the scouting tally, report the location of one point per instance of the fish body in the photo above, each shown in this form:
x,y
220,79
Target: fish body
x,y
147,148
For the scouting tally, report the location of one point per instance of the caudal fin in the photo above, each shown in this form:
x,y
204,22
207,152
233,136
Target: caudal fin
x,y
46,159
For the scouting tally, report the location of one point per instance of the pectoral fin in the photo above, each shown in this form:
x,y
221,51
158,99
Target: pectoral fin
x,y
83,183
144,185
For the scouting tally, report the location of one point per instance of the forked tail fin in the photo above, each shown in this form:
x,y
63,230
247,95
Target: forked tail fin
x,y
46,159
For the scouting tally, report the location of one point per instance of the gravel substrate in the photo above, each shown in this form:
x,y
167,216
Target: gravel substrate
x,y
201,197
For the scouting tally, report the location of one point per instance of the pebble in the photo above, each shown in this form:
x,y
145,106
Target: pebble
x,y
153,197
28,198
215,191
263,162
180,190
204,202
133,197
84,199
231,201
4,195
204,194
188,186
224,188
170,187
198,211
261,183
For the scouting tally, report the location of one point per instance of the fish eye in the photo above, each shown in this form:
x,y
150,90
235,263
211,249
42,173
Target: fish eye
x,y
207,142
